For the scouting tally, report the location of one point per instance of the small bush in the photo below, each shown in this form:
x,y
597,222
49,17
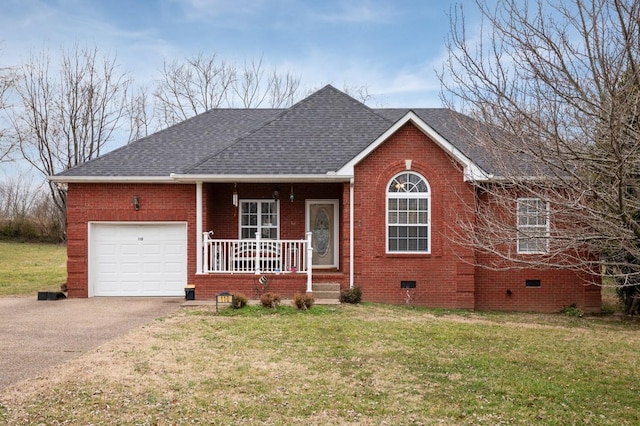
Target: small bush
x,y
303,301
352,295
572,310
239,301
270,300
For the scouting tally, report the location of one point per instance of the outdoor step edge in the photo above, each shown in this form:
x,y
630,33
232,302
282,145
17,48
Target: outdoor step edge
x,y
326,295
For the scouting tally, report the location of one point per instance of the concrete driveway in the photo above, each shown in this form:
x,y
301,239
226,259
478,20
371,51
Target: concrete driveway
x,y
37,335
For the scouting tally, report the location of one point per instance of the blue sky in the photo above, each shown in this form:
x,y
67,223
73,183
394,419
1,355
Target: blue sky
x,y
393,47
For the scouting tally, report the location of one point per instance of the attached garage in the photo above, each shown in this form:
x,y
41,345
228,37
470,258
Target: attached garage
x,y
137,259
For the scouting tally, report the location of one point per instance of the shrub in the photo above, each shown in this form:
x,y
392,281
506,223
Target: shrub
x,y
303,301
239,301
270,300
352,295
572,310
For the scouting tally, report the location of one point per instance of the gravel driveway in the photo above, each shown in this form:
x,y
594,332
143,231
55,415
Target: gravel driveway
x,y
38,335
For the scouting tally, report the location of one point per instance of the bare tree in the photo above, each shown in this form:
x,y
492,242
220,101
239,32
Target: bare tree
x,y
28,212
190,88
256,86
6,144
139,114
17,197
67,116
556,85
206,82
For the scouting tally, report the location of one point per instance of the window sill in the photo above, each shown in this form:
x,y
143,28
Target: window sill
x,y
408,255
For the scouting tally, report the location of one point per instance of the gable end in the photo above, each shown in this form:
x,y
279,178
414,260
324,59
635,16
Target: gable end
x,y
472,172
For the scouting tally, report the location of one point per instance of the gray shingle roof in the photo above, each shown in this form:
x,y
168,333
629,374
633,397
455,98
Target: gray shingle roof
x,y
175,149
317,135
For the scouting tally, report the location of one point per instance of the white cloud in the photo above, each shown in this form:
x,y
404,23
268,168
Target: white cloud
x,y
362,11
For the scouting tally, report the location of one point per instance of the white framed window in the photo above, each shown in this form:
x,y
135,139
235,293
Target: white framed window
x,y
259,216
408,214
533,225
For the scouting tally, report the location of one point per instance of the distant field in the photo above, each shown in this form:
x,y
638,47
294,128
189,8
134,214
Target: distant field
x,y
27,268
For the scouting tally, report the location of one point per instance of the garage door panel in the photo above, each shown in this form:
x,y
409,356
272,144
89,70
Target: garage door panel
x,y
128,249
138,259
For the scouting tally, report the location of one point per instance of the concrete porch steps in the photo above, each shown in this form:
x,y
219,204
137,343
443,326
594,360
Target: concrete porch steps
x,y
326,293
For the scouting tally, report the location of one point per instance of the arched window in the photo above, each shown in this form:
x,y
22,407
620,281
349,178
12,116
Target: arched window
x,y
408,214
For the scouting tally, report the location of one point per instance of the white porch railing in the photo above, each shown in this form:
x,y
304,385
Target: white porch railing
x,y
257,256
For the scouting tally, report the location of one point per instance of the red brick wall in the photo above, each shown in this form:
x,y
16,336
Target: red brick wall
x,y
447,277
223,216
114,202
501,289
506,290
442,278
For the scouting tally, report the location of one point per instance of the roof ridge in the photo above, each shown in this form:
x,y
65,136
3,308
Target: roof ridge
x,y
284,112
239,138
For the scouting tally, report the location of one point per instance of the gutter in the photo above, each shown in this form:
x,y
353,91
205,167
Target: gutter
x,y
186,178
111,179
328,177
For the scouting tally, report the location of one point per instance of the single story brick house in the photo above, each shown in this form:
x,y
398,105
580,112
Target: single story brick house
x,y
326,191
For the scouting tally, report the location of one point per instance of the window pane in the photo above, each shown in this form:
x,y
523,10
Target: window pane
x,y
533,220
402,217
248,232
408,213
259,217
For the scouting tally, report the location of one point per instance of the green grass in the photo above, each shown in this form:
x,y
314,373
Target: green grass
x,y
26,268
365,364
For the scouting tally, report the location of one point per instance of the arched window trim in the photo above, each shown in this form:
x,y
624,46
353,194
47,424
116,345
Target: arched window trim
x,y
403,236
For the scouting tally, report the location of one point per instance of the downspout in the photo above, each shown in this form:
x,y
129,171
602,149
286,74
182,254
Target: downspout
x,y
351,233
199,228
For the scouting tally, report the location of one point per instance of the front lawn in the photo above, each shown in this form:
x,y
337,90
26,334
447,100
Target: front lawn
x,y
26,268
364,364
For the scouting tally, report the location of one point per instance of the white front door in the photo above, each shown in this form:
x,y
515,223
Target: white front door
x,y
322,221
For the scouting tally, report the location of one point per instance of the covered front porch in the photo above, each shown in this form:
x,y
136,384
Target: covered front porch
x,y
290,234
258,256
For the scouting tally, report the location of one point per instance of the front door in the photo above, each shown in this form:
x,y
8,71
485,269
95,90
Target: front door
x,y
322,221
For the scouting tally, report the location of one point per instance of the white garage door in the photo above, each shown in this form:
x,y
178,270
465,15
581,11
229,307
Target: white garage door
x,y
142,259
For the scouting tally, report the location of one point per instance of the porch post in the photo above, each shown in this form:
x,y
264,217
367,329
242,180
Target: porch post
x,y
199,252
309,263
257,253
351,221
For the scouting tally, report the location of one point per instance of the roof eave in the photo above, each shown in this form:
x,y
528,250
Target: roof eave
x,y
271,178
192,178
110,179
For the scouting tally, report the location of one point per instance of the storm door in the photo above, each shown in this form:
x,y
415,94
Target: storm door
x,y
322,221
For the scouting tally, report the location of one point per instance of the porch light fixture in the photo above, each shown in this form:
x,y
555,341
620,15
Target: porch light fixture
x,y
291,196
136,203
276,192
234,198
